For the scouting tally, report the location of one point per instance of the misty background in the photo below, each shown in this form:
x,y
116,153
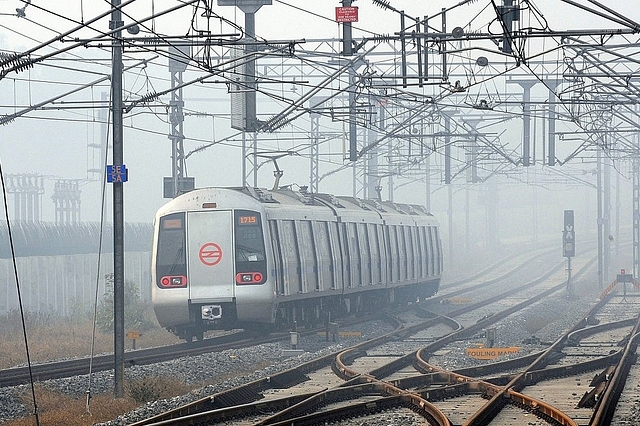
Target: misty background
x,y
67,141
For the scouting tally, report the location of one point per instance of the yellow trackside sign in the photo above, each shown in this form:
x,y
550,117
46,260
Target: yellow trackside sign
x,y
490,353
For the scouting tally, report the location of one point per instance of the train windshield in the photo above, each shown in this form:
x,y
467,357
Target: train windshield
x,y
171,259
251,265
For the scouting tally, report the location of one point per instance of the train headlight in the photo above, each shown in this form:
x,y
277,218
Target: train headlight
x,y
175,281
249,278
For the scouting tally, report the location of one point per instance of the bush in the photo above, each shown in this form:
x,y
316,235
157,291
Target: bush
x,y
137,315
12,321
152,388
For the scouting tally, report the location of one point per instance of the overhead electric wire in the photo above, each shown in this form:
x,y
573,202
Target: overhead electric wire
x,y
29,62
19,293
98,263
618,19
10,117
332,90
22,62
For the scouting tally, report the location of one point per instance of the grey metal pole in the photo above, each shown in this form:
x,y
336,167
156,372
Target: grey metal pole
x,y
636,214
600,219
551,153
450,224
526,121
606,218
347,34
118,205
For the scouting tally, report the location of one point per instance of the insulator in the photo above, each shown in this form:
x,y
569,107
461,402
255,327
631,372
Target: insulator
x,y
6,119
149,97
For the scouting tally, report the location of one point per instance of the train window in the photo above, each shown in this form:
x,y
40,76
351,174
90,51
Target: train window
x,y
251,265
171,259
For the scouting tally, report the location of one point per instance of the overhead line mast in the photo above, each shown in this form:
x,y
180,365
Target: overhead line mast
x,y
116,24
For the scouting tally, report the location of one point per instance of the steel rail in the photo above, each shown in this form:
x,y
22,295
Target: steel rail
x,y
68,368
243,394
607,404
248,394
500,395
498,400
299,414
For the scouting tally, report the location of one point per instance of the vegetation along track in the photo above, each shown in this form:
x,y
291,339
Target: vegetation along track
x,y
80,366
305,395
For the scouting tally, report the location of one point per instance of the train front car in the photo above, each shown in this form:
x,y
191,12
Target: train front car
x,y
210,263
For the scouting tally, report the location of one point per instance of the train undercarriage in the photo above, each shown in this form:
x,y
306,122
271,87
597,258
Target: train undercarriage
x,y
308,313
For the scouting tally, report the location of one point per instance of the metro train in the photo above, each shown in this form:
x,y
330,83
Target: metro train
x,y
252,258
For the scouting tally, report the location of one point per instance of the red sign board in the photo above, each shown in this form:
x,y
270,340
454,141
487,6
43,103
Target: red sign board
x,y
347,14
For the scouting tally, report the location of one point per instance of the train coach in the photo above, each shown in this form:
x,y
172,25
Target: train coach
x,y
253,258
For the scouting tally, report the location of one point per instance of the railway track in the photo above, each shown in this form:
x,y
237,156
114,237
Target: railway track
x,y
80,366
76,367
365,381
403,382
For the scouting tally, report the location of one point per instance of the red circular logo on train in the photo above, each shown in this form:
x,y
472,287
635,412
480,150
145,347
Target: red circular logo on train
x,y
210,254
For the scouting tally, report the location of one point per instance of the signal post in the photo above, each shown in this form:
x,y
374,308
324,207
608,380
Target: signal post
x,y
569,245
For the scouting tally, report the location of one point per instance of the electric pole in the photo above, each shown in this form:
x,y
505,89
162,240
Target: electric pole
x,y
118,176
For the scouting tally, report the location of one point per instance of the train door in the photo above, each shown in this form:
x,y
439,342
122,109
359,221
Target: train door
x,y
209,248
433,252
308,261
438,249
365,256
277,254
290,258
338,269
353,253
325,259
